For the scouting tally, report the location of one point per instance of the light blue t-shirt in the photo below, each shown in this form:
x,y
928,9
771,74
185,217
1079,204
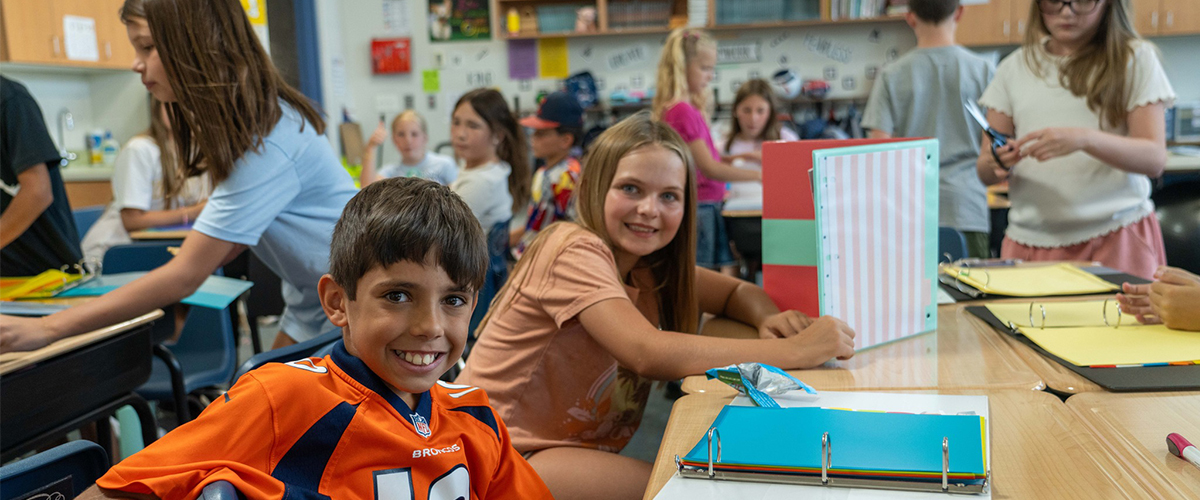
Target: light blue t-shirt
x,y
283,201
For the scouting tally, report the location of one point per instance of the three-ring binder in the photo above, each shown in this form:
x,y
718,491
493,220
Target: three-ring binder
x,y
1015,328
712,472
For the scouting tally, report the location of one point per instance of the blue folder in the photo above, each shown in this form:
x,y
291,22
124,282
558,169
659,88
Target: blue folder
x,y
217,292
866,445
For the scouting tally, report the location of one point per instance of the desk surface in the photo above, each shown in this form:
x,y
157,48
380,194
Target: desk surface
x,y
13,361
1134,428
964,353
1039,448
177,234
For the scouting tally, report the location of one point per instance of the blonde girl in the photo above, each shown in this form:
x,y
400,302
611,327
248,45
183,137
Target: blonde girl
x,y
278,187
755,121
597,309
148,190
495,176
687,66
1084,96
410,134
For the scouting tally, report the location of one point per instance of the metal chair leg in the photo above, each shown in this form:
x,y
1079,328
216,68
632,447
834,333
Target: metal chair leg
x,y
177,388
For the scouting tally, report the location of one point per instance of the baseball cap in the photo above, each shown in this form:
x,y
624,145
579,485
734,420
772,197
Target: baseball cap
x,y
559,109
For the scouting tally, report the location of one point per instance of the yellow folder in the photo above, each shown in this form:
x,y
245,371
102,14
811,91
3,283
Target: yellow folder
x,y
1034,281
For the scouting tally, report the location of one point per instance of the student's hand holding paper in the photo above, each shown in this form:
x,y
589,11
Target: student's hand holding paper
x,y
1173,299
825,339
784,325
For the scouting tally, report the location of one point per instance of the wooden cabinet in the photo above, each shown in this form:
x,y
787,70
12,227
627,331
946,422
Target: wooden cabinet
x,y
34,31
997,22
1166,17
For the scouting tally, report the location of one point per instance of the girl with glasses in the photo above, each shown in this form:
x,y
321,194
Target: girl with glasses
x,y
1085,98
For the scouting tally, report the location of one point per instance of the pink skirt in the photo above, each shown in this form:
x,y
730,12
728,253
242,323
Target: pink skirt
x,y
1136,249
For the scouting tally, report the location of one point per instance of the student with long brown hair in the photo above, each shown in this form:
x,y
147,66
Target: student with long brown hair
x,y
148,190
279,189
1084,97
597,309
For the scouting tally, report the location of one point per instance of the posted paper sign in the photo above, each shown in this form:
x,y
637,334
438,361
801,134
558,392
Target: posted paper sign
x,y
79,33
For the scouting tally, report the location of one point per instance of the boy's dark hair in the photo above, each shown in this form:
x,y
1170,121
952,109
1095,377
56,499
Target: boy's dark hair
x,y
576,133
406,218
933,11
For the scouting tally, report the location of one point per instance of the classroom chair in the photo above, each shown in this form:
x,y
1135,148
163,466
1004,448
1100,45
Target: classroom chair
x,y
137,256
219,490
318,346
497,274
85,217
952,243
79,463
205,358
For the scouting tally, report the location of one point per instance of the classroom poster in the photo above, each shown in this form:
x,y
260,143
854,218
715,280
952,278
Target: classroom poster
x,y
459,20
552,58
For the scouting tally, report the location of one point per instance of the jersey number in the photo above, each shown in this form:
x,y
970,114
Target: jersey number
x,y
396,484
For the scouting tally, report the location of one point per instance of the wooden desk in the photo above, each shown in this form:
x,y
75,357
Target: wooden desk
x,y
48,392
178,234
1040,449
964,353
1134,428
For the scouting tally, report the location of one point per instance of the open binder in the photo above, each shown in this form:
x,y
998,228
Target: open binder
x,y
844,448
50,283
966,281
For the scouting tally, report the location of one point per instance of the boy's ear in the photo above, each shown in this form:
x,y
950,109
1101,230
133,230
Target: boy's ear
x,y
957,14
333,300
911,19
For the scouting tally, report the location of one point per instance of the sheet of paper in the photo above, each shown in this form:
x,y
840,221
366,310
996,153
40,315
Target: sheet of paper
x,y
552,58
217,292
431,81
943,297
396,19
1127,345
79,35
522,59
1032,281
1059,314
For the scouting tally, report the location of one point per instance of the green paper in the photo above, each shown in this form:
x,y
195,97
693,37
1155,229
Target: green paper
x,y
790,242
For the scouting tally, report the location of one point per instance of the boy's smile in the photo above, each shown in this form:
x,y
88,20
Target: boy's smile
x,y
408,323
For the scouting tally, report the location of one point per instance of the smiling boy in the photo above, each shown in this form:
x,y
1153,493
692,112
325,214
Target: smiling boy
x,y
370,420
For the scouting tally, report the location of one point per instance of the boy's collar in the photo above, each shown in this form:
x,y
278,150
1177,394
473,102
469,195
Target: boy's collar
x,y
362,374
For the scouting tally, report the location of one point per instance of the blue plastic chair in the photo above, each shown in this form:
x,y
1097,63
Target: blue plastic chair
x,y
497,274
318,346
80,462
950,242
137,256
85,217
206,355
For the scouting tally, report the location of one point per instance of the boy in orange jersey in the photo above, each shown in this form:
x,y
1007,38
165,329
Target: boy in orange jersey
x,y
371,420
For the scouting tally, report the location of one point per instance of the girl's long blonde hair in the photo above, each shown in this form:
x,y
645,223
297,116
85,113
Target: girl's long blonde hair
x,y
1099,71
673,266
681,48
160,133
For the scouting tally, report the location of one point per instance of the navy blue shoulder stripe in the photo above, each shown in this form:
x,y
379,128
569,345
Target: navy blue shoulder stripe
x,y
483,414
304,463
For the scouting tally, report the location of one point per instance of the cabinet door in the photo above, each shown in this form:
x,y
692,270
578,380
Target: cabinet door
x,y
29,33
115,49
986,24
1020,19
1178,17
1146,16
78,23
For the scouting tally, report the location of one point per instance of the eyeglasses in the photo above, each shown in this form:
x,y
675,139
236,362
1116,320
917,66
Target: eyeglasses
x,y
1080,7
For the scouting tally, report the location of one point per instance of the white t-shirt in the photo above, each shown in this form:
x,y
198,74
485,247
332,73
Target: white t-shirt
x,y
747,195
137,184
485,189
283,201
1074,198
433,166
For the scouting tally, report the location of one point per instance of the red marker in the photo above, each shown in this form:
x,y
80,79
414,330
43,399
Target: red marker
x,y
1181,448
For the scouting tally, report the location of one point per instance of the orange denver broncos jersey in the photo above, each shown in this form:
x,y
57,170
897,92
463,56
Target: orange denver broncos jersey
x,y
330,428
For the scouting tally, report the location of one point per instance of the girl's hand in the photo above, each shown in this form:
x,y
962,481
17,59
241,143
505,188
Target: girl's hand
x,y
193,212
754,156
22,334
1136,302
825,339
783,325
1054,142
378,137
1175,298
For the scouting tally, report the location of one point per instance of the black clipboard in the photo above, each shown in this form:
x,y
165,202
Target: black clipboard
x,y
1133,379
1110,275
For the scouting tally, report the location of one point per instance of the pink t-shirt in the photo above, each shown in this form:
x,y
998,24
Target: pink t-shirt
x,y
690,124
552,382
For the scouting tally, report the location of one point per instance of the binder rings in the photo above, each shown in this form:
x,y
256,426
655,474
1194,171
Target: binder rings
x,y
847,448
850,230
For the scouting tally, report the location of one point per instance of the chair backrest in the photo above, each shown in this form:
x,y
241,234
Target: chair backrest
x,y
209,330
137,256
950,242
85,217
68,469
317,346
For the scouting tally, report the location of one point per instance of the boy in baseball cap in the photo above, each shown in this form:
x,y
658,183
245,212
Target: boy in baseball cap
x,y
557,128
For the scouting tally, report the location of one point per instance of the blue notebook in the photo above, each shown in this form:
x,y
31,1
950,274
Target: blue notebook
x,y
864,444
217,292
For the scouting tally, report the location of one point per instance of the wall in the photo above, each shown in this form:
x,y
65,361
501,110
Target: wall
x,y
1179,60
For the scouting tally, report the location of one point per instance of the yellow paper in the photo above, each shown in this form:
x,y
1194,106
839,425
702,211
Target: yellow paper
x,y
1040,281
552,58
37,287
1061,314
1132,345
